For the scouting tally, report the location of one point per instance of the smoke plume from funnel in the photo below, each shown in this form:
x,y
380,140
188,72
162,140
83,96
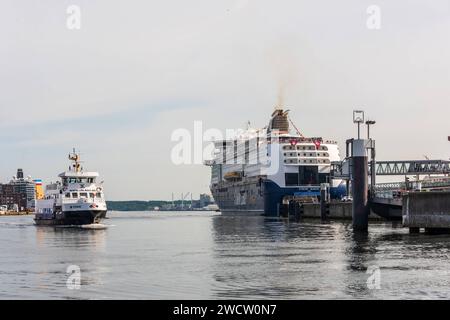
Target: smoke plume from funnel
x,y
284,63
280,98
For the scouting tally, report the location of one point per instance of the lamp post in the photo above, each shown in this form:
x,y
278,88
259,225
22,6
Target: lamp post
x,y
369,123
372,158
358,117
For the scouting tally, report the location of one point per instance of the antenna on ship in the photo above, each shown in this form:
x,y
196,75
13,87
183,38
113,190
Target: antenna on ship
x,y
75,157
298,131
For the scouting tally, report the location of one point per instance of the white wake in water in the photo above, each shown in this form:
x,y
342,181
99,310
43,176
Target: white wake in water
x,y
97,226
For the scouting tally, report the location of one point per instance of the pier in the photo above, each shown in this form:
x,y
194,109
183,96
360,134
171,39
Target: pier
x,y
14,213
427,210
418,204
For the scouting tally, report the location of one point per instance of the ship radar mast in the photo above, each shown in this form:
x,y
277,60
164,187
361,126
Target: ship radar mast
x,y
75,158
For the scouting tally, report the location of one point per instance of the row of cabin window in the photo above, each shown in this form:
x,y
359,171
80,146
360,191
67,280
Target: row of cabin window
x,y
78,180
305,148
294,154
307,161
74,195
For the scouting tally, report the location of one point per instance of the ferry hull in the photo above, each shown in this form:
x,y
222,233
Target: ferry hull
x,y
254,196
250,198
72,218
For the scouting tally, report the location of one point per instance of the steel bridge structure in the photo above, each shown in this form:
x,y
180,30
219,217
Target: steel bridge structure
x,y
342,169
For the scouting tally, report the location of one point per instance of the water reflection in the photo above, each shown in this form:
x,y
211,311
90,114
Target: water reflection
x,y
209,256
360,254
258,257
272,258
93,240
68,246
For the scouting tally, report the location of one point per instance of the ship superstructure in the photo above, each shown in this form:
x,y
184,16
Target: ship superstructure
x,y
77,199
252,172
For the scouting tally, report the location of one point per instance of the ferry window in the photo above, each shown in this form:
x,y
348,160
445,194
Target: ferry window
x,y
291,179
92,195
308,175
90,180
67,195
323,177
98,195
83,195
74,195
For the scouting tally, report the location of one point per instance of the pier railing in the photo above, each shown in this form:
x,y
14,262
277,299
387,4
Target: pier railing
x,y
394,189
410,167
342,169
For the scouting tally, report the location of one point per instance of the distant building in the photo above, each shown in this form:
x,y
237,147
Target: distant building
x,y
205,200
19,193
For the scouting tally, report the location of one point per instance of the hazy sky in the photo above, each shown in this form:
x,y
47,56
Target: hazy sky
x,y
137,70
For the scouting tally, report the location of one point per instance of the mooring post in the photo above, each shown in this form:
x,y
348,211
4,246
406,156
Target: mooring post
x,y
323,200
359,178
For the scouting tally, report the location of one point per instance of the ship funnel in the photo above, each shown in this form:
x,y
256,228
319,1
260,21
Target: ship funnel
x,y
279,121
19,174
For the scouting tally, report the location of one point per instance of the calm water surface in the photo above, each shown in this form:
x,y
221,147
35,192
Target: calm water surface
x,y
186,255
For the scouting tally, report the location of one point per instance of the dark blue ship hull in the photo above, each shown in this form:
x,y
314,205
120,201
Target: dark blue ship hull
x,y
258,196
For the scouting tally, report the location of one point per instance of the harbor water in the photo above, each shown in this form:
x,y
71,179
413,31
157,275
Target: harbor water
x,y
204,255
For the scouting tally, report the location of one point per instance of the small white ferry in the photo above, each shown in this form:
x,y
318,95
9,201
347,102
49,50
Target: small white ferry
x,y
75,200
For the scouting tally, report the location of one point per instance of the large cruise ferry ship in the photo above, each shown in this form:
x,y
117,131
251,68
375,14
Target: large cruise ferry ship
x,y
75,200
255,170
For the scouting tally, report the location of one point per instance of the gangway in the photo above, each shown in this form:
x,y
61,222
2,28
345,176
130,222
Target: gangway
x,y
342,169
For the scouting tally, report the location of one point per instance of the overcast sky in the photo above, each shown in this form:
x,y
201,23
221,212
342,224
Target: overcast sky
x,y
137,70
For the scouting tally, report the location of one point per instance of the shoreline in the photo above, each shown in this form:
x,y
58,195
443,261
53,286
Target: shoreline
x,y
11,213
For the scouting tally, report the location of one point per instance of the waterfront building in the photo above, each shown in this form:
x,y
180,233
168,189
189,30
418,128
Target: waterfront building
x,y
19,193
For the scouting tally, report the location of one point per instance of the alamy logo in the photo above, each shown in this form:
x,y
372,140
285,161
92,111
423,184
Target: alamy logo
x,y
374,20
73,21
374,280
197,146
74,280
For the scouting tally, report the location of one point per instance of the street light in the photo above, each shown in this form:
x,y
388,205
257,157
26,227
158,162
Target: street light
x,y
358,117
369,122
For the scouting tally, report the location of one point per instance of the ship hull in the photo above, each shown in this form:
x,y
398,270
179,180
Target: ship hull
x,y
254,196
240,197
250,197
76,218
